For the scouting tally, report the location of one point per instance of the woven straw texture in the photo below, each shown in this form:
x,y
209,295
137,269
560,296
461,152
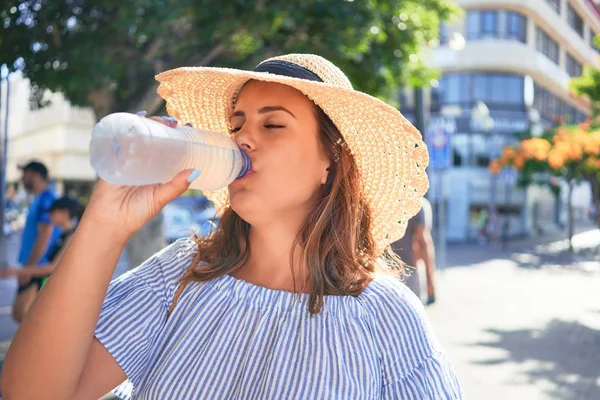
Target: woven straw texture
x,y
388,149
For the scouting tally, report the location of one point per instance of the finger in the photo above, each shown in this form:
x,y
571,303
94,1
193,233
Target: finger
x,y
169,191
169,121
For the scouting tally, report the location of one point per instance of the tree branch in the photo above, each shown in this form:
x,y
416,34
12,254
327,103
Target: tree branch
x,y
102,102
152,50
151,101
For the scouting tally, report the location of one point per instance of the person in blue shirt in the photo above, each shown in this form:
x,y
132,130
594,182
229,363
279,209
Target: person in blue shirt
x,y
38,234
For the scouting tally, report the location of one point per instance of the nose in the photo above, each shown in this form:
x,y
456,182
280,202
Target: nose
x,y
245,140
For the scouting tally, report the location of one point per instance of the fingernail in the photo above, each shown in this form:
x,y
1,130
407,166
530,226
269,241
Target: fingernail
x,y
141,113
170,119
193,175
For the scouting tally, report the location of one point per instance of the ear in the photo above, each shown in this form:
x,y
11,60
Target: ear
x,y
325,174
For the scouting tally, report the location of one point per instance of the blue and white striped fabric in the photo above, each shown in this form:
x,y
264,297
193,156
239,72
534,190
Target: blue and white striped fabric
x,y
229,339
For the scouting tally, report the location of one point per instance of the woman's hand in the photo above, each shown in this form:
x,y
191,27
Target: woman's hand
x,y
125,209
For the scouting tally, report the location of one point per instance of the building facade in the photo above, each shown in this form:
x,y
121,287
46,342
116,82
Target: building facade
x,y
57,135
516,57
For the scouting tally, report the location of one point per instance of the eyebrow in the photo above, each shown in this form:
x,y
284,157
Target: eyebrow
x,y
264,110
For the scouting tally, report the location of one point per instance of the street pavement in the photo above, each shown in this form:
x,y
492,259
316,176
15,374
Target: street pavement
x,y
517,324
523,324
8,288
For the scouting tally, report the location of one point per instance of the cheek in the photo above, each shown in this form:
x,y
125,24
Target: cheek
x,y
295,173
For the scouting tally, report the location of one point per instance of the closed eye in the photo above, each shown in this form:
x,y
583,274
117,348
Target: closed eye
x,y
270,126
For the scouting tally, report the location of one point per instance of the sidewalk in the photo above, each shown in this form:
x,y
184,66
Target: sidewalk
x,y
472,253
525,323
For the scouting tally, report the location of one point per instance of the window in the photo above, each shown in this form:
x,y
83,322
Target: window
x,y
574,68
516,28
497,24
546,46
551,106
443,33
489,24
503,91
514,89
575,20
473,25
481,87
554,4
498,92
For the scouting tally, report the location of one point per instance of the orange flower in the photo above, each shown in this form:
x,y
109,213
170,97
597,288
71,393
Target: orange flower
x,y
586,124
556,159
519,162
535,148
591,145
593,164
570,150
510,152
563,134
494,168
507,156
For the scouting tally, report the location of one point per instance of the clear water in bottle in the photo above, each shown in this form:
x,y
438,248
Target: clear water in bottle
x,y
129,150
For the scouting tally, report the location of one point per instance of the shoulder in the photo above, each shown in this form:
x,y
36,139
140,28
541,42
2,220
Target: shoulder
x,y
400,326
47,195
391,300
172,261
45,199
162,271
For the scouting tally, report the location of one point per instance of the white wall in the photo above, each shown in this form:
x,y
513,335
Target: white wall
x,y
57,135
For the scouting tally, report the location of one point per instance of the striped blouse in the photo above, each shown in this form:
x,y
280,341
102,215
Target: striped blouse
x,y
230,339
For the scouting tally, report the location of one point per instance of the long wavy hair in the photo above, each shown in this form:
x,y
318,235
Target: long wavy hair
x,y
335,238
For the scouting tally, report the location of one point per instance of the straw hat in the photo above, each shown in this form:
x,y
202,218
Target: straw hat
x,y
388,150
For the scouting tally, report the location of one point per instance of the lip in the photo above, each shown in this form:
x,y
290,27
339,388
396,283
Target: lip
x,y
246,176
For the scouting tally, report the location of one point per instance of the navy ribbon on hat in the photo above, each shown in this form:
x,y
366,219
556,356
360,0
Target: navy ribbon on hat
x,y
289,69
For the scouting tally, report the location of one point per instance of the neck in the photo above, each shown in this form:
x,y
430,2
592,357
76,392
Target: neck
x,y
40,187
269,263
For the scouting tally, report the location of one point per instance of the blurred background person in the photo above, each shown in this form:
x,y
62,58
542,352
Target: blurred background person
x,y
63,213
38,233
417,247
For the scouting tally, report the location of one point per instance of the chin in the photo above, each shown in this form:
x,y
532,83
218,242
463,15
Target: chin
x,y
245,205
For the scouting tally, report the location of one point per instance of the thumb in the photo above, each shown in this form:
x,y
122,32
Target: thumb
x,y
169,191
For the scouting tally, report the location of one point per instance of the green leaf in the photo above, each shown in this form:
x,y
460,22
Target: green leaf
x,y
105,54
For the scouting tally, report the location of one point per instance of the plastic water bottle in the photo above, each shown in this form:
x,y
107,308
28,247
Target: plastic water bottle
x,y
126,149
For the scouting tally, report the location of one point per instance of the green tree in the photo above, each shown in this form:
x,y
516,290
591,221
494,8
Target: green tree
x,y
105,53
588,84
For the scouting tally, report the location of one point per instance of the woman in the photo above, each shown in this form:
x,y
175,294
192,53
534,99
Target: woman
x,y
289,298
62,212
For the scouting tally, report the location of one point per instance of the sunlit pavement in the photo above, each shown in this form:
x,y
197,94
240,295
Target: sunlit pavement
x,y
525,324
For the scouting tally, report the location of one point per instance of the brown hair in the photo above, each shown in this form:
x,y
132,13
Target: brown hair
x,y
336,241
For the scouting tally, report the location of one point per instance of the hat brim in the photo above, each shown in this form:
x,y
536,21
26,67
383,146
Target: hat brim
x,y
388,150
